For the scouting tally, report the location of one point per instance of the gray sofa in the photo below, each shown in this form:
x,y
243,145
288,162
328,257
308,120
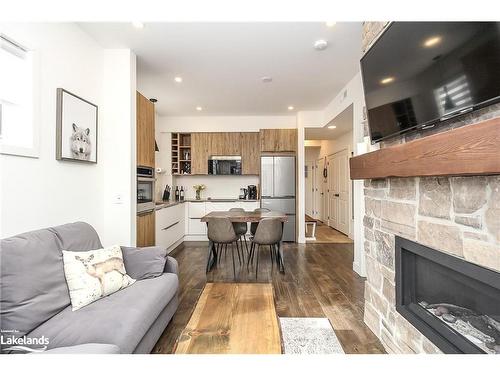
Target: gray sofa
x,y
34,298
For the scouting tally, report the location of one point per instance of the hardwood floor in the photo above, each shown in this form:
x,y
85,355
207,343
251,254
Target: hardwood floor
x,y
318,282
232,318
326,234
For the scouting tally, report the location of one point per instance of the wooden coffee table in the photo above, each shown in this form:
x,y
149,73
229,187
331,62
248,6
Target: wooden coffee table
x,y
232,318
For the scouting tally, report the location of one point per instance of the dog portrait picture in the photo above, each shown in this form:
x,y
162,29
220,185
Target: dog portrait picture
x,y
76,128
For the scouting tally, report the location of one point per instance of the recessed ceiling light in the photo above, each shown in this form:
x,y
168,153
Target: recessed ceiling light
x,y
199,108
290,107
266,79
331,23
138,25
386,80
332,127
178,79
432,41
320,45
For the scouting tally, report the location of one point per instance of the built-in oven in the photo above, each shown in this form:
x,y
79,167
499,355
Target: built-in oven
x,y
224,165
145,189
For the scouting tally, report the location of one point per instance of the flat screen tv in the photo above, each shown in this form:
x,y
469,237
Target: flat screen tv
x,y
418,74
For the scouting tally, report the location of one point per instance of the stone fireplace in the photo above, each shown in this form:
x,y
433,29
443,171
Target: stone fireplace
x,y
452,302
457,216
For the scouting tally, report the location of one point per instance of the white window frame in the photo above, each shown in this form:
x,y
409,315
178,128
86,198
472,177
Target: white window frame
x,y
34,150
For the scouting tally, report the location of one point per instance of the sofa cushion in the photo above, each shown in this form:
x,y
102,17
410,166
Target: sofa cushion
x,y
121,319
32,283
77,236
93,274
144,262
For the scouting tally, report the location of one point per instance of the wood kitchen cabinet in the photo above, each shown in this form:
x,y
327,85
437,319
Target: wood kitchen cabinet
x,y
145,136
250,153
200,153
146,229
278,140
224,144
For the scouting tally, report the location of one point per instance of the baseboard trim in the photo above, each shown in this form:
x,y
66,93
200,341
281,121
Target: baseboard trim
x,y
357,268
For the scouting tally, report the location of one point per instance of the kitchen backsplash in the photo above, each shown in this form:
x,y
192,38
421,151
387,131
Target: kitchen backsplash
x,y
216,186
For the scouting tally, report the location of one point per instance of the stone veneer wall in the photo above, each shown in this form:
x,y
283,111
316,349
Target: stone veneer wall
x,y
457,215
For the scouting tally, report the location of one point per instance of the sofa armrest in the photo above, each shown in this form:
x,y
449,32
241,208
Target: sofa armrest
x,y
144,262
171,266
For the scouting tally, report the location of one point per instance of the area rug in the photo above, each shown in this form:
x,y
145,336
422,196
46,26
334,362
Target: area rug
x,y
309,336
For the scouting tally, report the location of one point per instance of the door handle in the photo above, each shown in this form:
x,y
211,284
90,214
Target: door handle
x,y
337,195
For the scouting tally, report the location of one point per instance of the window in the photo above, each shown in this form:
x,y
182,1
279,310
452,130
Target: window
x,y
18,133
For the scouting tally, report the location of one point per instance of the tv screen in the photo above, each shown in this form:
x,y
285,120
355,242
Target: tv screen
x,y
420,73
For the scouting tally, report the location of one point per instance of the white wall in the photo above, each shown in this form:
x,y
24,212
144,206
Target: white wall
x,y
351,94
216,186
331,146
224,123
118,155
41,192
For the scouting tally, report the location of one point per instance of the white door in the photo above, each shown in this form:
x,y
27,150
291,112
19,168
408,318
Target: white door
x,y
322,206
332,201
339,191
309,181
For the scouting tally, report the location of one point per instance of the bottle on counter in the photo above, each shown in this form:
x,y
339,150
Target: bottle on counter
x,y
177,193
181,194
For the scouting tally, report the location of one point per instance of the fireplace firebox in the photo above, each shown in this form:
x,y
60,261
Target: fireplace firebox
x,y
454,303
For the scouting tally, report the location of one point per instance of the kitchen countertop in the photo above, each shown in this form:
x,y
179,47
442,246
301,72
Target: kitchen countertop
x,y
161,204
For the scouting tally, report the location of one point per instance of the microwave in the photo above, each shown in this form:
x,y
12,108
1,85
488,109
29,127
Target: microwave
x,y
224,165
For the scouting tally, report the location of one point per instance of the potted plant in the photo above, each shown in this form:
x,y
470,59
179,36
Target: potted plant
x,y
198,189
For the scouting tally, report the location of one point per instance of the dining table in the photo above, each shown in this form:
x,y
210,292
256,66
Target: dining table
x,y
243,217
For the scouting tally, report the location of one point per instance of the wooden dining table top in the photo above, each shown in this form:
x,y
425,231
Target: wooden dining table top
x,y
245,216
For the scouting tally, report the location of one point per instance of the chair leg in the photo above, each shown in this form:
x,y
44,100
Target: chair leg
x,y
238,251
232,255
250,255
257,262
246,243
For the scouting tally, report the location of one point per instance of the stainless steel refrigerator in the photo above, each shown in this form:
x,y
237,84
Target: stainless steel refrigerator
x,y
278,189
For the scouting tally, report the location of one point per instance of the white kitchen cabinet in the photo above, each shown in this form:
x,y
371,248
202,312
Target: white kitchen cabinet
x,y
170,225
196,230
196,210
221,206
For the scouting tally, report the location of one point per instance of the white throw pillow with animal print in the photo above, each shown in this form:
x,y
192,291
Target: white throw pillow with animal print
x,y
93,274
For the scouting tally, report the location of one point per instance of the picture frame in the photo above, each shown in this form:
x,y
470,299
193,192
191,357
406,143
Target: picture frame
x,y
77,128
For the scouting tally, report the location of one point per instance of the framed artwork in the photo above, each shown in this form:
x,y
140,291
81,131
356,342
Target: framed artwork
x,y
76,136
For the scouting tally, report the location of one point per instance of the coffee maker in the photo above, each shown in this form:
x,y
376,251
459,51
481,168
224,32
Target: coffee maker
x,y
252,192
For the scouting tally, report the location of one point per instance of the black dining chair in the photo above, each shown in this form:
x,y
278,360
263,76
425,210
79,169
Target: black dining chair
x,y
269,233
221,232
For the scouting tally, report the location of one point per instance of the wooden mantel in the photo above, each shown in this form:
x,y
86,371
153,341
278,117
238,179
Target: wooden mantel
x,y
465,151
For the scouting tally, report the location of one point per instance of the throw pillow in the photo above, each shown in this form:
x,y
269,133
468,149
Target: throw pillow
x,y
144,262
93,274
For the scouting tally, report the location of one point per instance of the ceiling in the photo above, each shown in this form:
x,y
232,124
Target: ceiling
x,y
222,64
343,123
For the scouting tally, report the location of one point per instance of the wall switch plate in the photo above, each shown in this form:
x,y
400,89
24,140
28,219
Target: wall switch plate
x,y
118,199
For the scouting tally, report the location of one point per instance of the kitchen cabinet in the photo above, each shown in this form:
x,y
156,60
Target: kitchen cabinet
x,y
145,131
200,153
146,229
224,144
170,225
196,210
250,153
278,140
